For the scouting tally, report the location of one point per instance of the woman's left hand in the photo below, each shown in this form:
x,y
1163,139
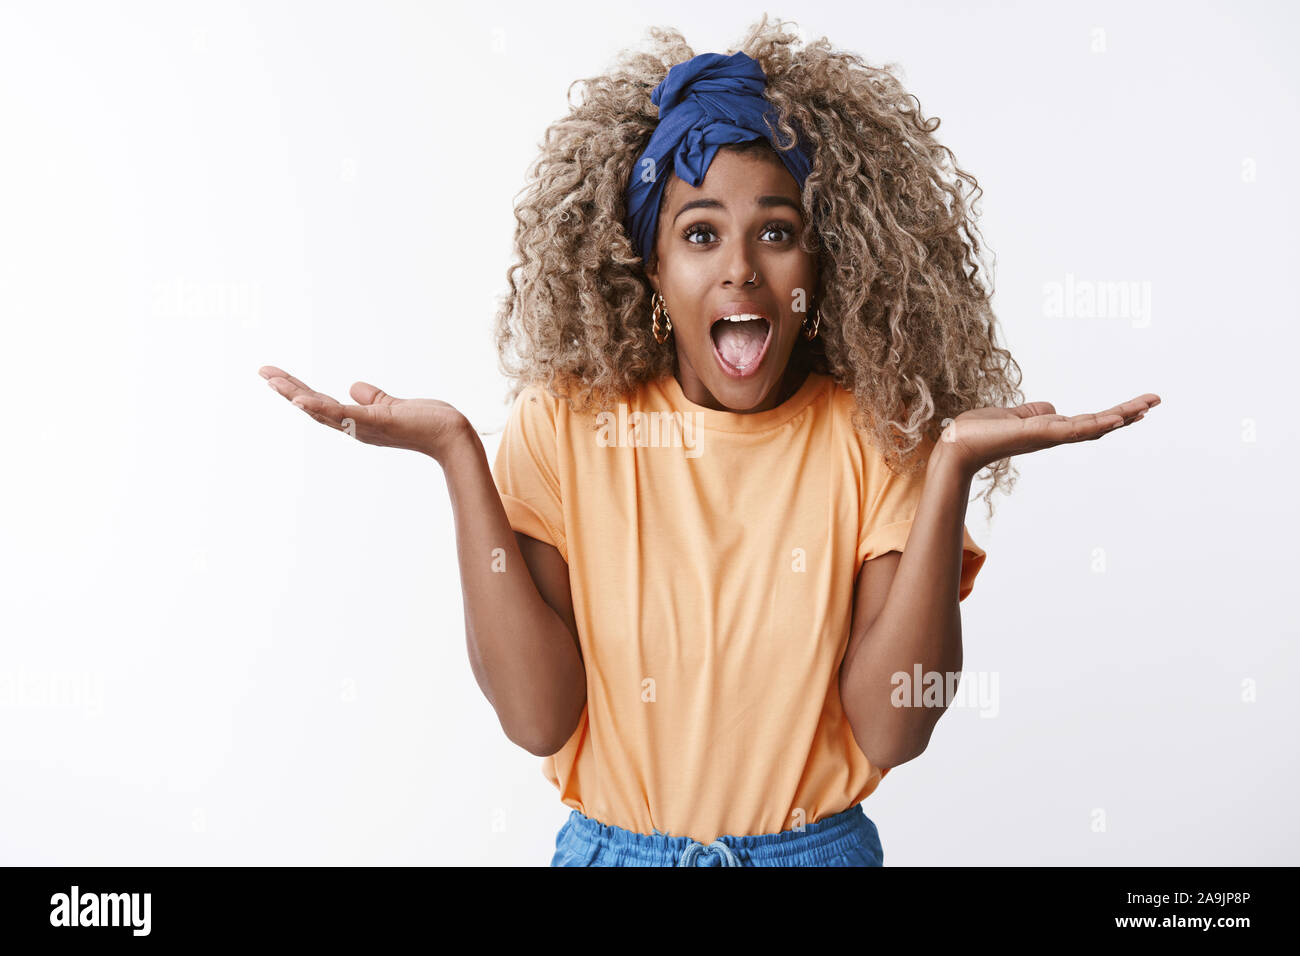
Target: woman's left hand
x,y
982,436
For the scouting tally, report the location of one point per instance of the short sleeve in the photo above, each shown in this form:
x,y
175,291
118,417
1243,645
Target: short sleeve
x,y
889,504
526,469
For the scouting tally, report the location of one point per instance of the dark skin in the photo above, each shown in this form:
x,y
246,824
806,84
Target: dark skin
x,y
735,238
746,234
522,631
906,606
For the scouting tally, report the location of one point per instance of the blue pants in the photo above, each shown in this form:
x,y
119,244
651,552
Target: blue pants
x,y
845,839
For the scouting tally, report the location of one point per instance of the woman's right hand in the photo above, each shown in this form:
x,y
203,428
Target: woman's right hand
x,y
419,424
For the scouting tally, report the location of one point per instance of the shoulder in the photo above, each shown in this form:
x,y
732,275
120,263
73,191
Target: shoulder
x,y
535,393
869,448
575,407
851,424
536,403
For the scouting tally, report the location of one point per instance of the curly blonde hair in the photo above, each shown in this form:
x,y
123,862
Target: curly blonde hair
x,y
906,323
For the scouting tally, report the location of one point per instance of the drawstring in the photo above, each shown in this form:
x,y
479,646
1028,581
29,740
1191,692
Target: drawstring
x,y
692,853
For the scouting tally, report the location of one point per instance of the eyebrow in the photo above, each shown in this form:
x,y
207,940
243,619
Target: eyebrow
x,y
766,202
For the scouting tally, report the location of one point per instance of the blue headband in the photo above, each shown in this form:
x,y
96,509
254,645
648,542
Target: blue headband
x,y
704,103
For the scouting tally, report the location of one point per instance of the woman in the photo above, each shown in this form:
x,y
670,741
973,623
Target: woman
x,y
726,513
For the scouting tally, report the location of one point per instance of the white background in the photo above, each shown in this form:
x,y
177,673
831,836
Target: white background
x,y
231,635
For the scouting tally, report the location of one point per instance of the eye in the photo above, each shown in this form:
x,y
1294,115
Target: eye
x,y
780,226
703,229
696,230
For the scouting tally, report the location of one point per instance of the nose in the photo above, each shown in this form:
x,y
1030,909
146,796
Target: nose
x,y
741,268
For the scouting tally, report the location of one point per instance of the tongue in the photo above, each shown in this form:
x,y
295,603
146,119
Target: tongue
x,y
740,342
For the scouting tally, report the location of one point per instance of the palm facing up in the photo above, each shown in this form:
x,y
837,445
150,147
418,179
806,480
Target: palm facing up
x,y
420,424
984,435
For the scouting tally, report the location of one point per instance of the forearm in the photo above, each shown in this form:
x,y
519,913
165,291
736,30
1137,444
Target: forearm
x,y
918,627
520,650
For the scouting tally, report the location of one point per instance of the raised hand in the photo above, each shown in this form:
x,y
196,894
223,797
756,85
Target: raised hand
x,y
420,424
982,436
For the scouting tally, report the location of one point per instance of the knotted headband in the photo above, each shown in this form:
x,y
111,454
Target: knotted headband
x,y
704,103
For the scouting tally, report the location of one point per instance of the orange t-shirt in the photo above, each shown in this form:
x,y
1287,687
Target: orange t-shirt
x,y
713,558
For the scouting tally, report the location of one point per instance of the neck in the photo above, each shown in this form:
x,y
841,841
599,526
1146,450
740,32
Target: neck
x,y
796,373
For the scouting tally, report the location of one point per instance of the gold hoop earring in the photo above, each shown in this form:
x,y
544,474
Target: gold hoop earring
x,y
817,318
660,311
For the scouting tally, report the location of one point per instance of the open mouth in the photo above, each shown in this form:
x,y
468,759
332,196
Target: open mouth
x,y
740,342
